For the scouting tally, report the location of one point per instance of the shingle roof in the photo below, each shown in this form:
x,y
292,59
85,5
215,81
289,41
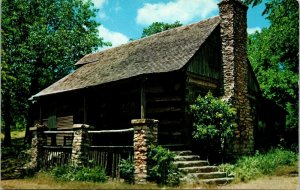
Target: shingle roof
x,y
163,52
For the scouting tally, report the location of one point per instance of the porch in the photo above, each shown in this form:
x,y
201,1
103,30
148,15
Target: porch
x,y
79,146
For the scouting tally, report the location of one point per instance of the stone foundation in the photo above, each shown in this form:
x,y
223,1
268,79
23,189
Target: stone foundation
x,y
145,134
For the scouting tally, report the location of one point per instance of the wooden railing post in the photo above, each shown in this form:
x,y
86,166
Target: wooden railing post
x,y
37,142
80,144
145,134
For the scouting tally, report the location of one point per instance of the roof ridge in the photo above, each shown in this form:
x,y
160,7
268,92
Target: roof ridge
x,y
177,28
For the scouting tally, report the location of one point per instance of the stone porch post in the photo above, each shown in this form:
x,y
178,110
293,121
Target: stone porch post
x,y
38,140
80,144
145,134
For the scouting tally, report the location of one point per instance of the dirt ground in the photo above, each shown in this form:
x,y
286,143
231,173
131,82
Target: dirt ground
x,y
274,182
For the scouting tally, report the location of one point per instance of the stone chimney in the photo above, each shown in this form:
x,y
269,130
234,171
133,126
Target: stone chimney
x,y
233,25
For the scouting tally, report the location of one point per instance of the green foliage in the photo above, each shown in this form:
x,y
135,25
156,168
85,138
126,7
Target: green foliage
x,y
162,170
274,56
213,120
72,173
251,167
157,27
127,170
255,2
41,41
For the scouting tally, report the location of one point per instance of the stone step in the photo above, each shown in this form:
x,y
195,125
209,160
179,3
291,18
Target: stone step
x,y
184,164
198,169
183,153
224,180
187,158
209,175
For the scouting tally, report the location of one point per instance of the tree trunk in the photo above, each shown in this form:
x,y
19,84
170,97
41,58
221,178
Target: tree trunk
x,y
30,123
7,120
34,88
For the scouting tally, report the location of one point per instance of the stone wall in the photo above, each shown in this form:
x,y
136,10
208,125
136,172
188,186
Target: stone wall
x,y
233,25
145,134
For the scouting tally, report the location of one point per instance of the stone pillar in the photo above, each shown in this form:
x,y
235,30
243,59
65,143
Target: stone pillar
x,y
38,140
233,25
145,134
80,144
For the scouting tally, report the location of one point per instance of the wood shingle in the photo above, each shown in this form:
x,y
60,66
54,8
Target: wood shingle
x,y
163,52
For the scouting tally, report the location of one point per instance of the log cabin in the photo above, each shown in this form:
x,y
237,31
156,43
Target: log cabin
x,y
158,77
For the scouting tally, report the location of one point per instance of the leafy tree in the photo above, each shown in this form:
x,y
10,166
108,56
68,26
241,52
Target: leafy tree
x,y
274,55
255,2
157,27
41,41
7,80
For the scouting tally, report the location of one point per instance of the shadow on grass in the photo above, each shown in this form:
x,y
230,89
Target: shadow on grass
x,y
14,157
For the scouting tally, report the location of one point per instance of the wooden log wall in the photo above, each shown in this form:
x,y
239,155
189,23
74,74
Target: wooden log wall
x,y
204,71
113,107
206,63
61,111
165,102
203,74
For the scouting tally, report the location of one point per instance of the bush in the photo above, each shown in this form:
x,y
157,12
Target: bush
x,y
72,173
127,170
214,123
251,167
162,170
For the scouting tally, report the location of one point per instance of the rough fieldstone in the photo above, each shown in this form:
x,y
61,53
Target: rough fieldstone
x,y
145,134
233,25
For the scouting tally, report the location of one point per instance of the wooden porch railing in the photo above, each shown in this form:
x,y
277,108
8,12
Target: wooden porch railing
x,y
58,150
110,156
56,156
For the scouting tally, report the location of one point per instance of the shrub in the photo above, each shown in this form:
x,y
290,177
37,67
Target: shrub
x,y
251,167
213,121
72,173
96,174
162,169
127,170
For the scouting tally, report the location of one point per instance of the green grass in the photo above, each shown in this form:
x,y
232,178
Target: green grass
x,y
14,135
44,180
275,162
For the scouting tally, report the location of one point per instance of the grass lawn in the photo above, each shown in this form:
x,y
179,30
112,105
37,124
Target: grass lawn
x,y
14,135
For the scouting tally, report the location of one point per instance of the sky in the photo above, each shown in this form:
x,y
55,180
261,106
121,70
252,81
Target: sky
x,y
122,20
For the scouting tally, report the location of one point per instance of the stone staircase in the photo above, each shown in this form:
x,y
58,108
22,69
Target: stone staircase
x,y
195,170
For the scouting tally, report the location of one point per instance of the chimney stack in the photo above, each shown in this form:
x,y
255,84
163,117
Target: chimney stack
x,y
233,25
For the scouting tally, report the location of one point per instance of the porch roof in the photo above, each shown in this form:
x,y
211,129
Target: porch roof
x,y
163,52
